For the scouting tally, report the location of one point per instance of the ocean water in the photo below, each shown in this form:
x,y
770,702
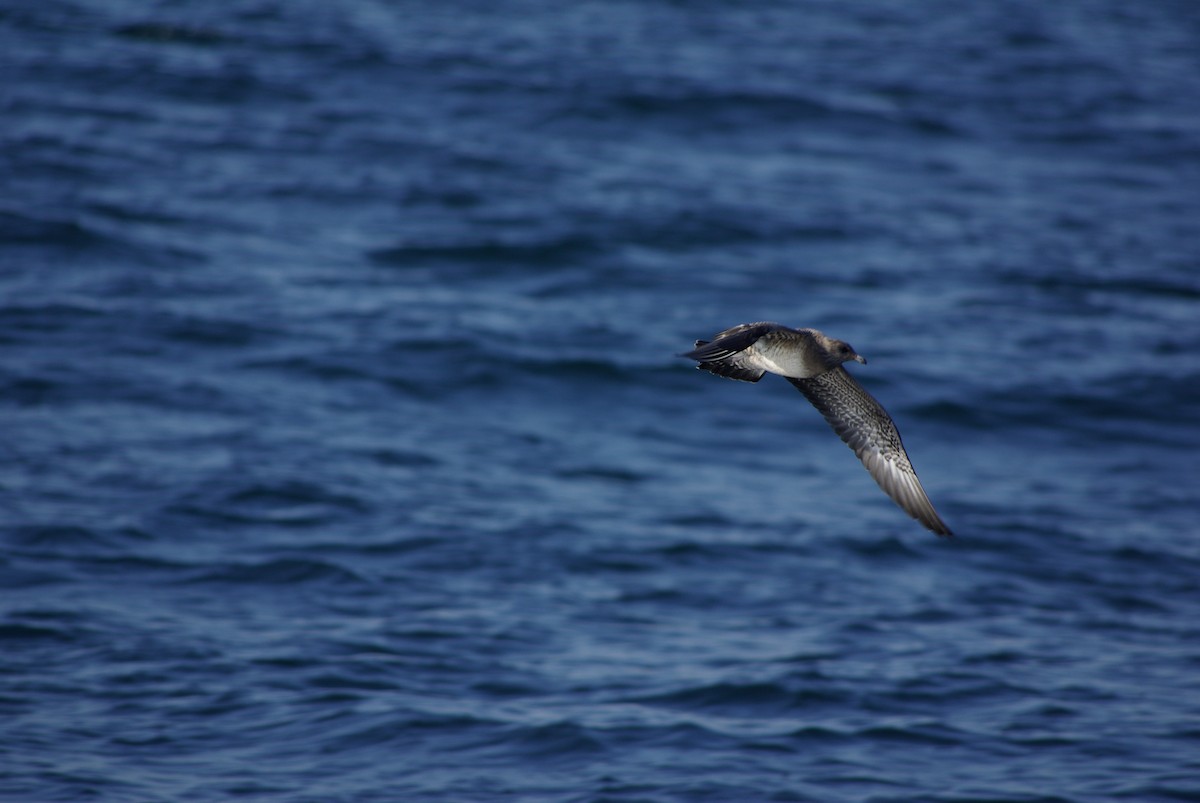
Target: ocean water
x,y
346,455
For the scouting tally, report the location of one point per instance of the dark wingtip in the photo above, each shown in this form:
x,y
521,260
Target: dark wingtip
x,y
939,528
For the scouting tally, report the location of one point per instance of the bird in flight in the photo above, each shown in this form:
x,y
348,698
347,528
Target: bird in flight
x,y
812,362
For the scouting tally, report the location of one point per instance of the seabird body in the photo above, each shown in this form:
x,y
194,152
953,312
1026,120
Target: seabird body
x,y
812,362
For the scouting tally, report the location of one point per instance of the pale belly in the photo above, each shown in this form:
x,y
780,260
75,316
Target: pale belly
x,y
781,361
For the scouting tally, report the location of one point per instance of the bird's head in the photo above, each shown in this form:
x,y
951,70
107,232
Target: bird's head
x,y
844,352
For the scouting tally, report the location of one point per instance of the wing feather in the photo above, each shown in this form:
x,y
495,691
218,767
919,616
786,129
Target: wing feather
x,y
725,354
866,427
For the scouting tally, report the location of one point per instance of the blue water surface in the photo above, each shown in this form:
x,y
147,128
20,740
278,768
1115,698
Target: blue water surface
x,y
346,456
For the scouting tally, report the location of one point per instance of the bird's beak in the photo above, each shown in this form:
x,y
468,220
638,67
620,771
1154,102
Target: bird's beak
x,y
860,358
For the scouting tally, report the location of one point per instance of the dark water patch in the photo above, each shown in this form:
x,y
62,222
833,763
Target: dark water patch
x,y
888,549
18,574
288,662
34,240
963,687
285,494
1129,408
337,701
134,213
401,458
66,552
54,388
171,33
731,225
283,503
168,76
927,733
1132,557
281,572
123,369
114,563
609,561
323,367
747,699
65,388
387,547
1003,656
1075,285
380,650
716,111
456,731
1184,789
695,519
210,331
18,229
618,475
48,318
56,538
956,413
1016,796
648,597
16,633
354,680
546,252
599,245
510,689
554,743
603,371
1134,603
681,554
413,368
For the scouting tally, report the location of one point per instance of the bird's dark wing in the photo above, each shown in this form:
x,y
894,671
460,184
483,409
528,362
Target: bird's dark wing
x,y
723,354
866,428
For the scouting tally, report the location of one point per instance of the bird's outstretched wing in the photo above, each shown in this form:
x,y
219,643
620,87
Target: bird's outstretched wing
x,y
866,428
